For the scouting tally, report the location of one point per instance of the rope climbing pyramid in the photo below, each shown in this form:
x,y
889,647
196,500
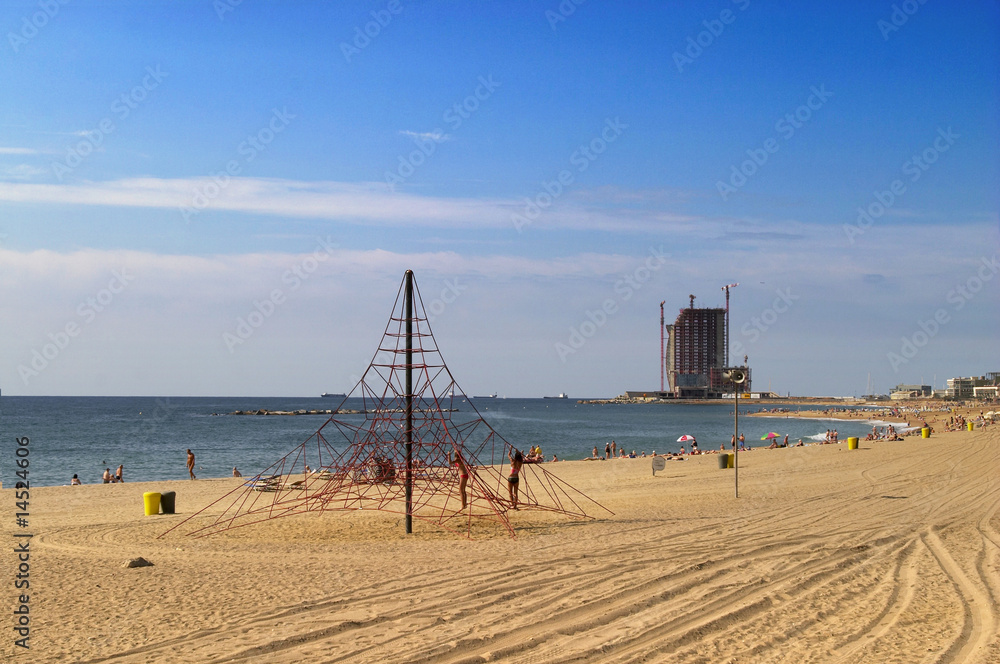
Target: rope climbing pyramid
x,y
408,450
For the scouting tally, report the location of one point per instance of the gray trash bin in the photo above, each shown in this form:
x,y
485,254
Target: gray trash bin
x,y
167,502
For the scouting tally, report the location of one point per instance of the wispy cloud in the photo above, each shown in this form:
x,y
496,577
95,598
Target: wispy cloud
x,y
78,132
372,204
437,135
21,172
357,203
4,150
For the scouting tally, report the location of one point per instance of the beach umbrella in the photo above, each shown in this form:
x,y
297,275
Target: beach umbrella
x,y
770,436
685,438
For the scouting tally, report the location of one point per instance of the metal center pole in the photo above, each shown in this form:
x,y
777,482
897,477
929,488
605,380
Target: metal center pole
x,y
408,298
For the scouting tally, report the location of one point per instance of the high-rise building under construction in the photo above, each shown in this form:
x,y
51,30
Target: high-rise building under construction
x,y
696,354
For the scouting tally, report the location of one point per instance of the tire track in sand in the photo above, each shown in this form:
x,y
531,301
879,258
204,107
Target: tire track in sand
x,y
980,617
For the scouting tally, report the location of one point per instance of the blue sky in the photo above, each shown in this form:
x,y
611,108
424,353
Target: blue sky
x,y
174,162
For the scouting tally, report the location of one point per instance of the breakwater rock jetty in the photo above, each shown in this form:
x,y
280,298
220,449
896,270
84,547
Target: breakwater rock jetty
x,y
342,411
627,399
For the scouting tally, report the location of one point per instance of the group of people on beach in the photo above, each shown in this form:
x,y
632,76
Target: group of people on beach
x,y
776,443
534,455
118,476
610,450
517,461
884,433
106,478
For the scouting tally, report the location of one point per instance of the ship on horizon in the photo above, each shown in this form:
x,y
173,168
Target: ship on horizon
x,y
561,395
332,395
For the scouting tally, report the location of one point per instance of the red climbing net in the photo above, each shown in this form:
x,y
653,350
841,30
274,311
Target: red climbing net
x,y
395,452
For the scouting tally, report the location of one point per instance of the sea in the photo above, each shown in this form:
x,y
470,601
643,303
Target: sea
x,y
150,435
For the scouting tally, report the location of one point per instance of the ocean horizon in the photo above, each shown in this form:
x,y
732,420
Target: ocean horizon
x,y
150,435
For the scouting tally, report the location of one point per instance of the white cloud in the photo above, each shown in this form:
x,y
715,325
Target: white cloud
x,y
164,332
4,150
437,135
356,203
21,172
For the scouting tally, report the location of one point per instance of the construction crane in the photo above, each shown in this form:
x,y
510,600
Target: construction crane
x,y
726,288
663,359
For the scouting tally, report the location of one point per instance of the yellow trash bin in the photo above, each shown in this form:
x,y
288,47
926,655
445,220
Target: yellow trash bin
x,y
852,443
731,461
152,501
925,432
969,425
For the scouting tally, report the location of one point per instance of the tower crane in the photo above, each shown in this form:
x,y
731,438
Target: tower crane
x,y
726,288
663,358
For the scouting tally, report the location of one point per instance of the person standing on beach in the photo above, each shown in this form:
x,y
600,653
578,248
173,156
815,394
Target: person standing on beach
x,y
463,475
190,464
118,473
516,461
607,450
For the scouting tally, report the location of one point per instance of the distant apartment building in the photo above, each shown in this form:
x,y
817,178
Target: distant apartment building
x,y
903,391
973,386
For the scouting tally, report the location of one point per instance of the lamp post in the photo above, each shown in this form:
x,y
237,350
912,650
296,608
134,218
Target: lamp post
x,y
736,377
736,438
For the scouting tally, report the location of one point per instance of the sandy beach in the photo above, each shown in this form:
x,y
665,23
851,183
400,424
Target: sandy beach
x,y
890,553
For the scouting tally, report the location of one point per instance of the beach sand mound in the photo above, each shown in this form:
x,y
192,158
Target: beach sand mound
x,y
890,553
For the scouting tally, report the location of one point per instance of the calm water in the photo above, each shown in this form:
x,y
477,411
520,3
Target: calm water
x,y
149,435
